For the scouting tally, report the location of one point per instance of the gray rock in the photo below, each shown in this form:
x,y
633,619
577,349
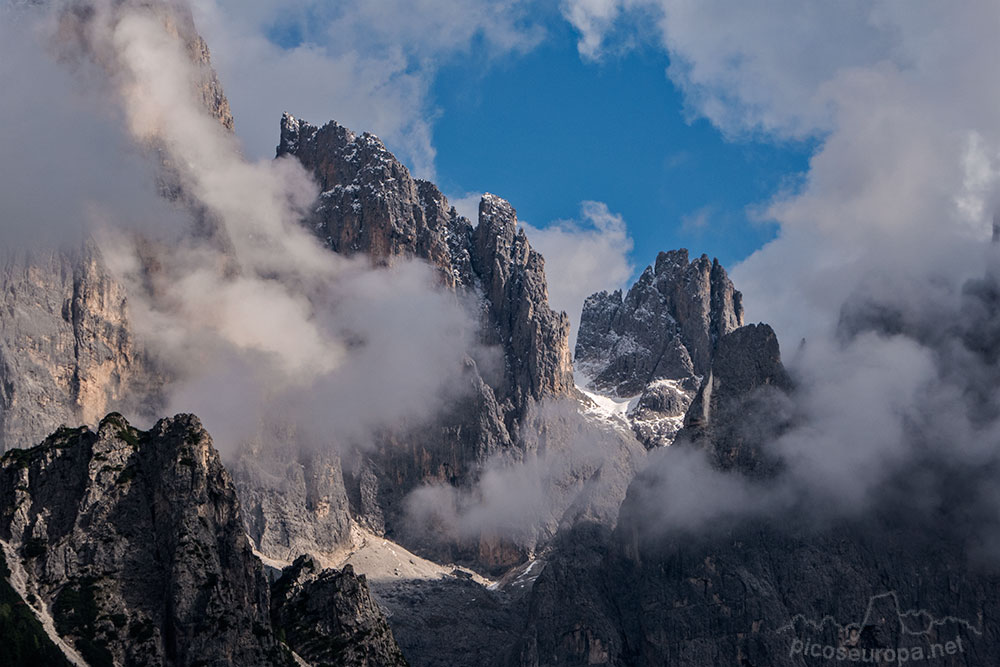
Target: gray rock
x,y
294,500
657,342
743,591
666,327
67,351
534,338
134,540
451,621
329,618
371,205
747,381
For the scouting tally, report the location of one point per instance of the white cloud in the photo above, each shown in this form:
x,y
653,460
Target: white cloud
x,y
583,257
580,474
68,165
467,205
893,216
251,320
368,65
897,93
593,19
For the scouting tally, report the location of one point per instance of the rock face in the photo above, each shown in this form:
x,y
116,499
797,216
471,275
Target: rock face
x,y
371,205
330,619
758,596
512,275
294,501
761,589
135,543
740,405
67,352
25,641
657,342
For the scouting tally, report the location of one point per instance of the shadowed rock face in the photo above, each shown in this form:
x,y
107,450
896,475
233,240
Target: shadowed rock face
x,y
534,338
746,597
657,342
134,540
666,328
744,591
740,405
329,618
67,351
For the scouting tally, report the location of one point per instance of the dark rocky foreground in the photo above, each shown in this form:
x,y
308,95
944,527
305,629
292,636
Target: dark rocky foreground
x,y
133,541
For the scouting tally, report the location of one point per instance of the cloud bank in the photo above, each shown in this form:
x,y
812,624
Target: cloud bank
x,y
368,64
583,257
879,246
247,316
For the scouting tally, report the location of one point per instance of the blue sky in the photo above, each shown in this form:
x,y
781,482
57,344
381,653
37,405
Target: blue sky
x,y
870,130
548,129
524,116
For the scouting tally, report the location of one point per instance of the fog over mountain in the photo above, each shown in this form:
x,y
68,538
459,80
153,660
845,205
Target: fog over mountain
x,y
416,456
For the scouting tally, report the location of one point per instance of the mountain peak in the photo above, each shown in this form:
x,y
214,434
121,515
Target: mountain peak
x,y
656,342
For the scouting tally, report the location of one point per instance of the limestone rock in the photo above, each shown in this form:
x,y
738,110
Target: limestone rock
x,y
534,338
744,591
67,351
135,543
370,204
747,381
329,618
294,500
657,341
666,327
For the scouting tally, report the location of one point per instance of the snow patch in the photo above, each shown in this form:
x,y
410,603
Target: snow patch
x,y
611,407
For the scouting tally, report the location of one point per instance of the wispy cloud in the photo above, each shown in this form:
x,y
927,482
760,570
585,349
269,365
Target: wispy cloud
x,y
368,65
583,256
698,220
891,219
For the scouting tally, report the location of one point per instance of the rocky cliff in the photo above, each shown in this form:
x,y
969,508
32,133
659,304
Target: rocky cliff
x,y
67,351
130,545
742,403
371,205
657,342
787,587
134,543
331,619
